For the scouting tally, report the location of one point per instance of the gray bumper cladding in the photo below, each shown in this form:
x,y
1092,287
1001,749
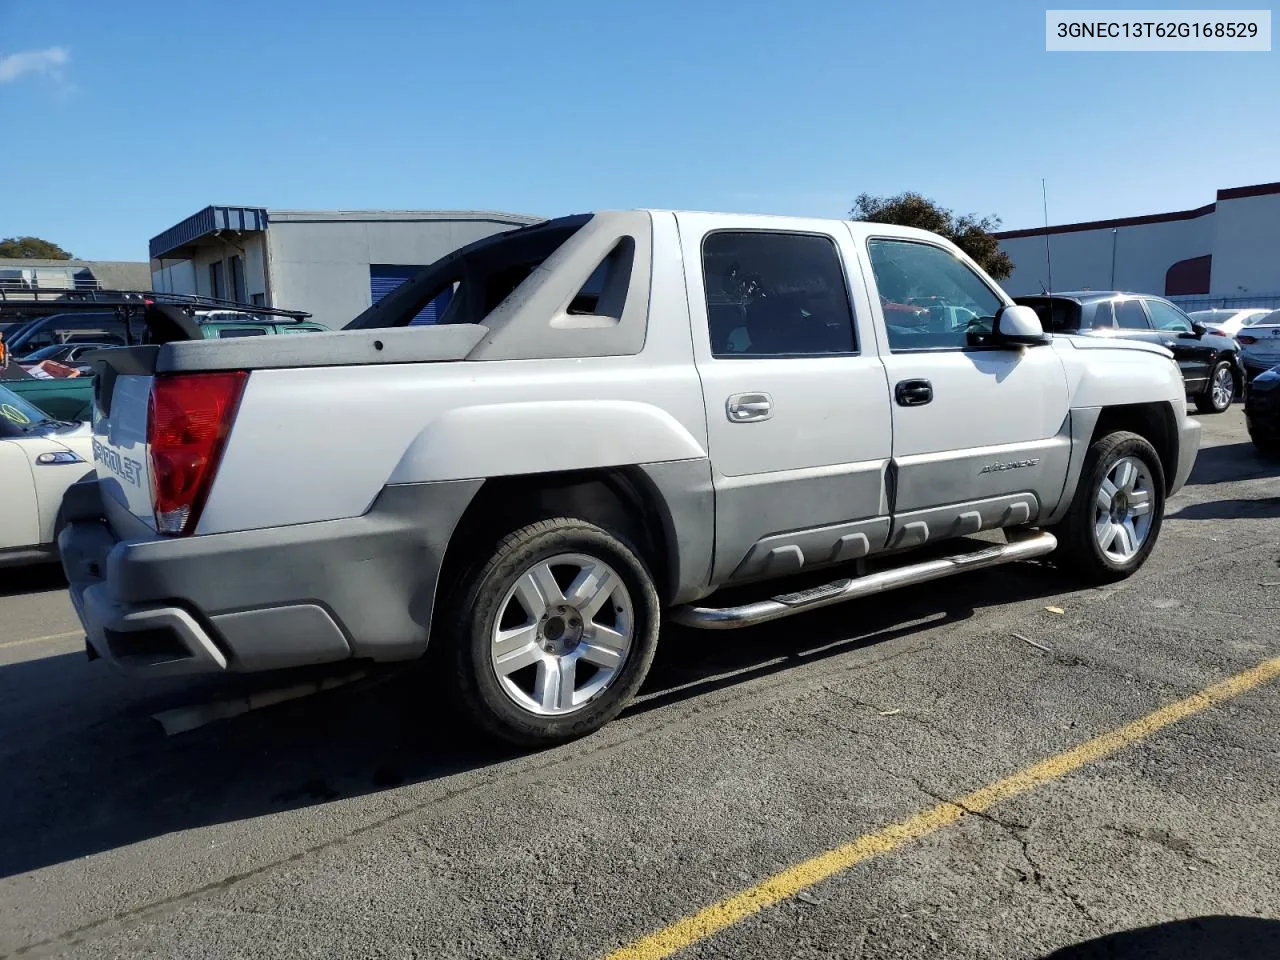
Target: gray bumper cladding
x,y
264,599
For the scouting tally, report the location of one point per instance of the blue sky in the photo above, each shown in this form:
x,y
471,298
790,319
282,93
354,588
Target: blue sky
x,y
122,118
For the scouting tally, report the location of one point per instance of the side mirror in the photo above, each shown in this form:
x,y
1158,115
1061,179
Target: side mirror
x,y
1018,325
1198,328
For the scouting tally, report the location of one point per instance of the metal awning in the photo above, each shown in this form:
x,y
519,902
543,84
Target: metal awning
x,y
176,242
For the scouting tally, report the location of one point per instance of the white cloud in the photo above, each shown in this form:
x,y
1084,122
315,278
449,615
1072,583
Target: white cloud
x,y
38,62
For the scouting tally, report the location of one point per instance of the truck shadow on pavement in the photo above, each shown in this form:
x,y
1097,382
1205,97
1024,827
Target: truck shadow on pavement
x,y
1266,508
37,578
1231,462
1198,938
87,769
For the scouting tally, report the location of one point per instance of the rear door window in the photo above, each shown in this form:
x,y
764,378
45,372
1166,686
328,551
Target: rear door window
x,y
1131,316
776,294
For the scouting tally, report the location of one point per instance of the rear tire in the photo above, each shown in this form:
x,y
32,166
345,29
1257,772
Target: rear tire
x,y
552,635
1219,391
1115,517
1267,447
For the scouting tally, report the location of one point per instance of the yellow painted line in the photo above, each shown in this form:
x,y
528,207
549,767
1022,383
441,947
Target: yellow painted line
x,y
789,882
53,636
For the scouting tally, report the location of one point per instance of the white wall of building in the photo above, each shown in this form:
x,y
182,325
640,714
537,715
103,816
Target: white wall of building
x,y
321,264
193,276
176,276
1240,231
1246,252
1082,260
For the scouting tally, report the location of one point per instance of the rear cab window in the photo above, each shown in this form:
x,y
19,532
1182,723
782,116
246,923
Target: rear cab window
x,y
773,294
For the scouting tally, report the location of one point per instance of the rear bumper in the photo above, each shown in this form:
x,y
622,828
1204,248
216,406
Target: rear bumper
x,y
263,599
1188,449
1254,367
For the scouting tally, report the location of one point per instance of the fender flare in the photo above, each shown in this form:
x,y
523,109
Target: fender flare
x,y
509,439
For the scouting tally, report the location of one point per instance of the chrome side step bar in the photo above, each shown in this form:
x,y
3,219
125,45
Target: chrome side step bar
x,y
786,605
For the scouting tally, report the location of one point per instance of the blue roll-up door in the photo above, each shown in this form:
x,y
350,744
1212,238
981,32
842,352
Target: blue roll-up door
x,y
385,277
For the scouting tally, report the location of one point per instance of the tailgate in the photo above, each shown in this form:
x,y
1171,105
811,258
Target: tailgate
x,y
121,392
120,454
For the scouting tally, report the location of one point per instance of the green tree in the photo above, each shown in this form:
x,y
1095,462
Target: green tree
x,y
970,233
32,248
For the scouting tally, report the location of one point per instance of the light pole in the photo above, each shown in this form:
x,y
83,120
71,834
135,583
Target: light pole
x,y
1114,233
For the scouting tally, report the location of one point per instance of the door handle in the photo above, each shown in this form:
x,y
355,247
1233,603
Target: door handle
x,y
913,393
749,407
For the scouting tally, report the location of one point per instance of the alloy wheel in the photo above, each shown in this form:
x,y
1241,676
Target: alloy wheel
x,y
1122,509
563,632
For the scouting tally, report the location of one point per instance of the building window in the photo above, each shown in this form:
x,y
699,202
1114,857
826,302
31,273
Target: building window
x,y
237,279
259,299
215,279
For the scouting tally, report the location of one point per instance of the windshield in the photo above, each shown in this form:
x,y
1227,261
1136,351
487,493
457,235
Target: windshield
x,y
46,353
1271,317
54,330
18,417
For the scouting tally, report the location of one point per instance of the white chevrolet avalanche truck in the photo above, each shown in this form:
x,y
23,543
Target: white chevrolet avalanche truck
x,y
618,417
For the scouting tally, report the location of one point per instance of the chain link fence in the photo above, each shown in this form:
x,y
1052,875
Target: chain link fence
x,y
1270,301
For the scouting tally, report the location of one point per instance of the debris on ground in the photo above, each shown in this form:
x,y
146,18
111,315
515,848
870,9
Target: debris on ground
x,y
1038,646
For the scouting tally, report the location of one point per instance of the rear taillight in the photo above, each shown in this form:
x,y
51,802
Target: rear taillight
x,y
1246,340
188,419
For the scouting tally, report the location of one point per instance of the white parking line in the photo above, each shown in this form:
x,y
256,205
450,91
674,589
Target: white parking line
x,y
5,645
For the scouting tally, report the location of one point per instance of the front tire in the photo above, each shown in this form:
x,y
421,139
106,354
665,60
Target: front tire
x,y
1118,509
1219,391
554,633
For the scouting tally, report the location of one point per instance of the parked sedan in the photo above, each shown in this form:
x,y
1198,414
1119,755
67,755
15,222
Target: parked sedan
x,y
1260,344
1228,322
39,458
1262,410
1211,366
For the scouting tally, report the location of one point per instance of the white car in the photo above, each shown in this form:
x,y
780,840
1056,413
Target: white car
x,y
39,458
1226,322
1260,344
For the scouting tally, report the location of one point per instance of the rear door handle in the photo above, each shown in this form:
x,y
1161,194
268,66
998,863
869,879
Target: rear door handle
x,y
913,393
749,407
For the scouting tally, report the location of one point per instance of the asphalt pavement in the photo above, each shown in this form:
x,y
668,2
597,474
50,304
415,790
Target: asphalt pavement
x,y
364,822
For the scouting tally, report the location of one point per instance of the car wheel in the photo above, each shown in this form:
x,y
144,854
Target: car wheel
x,y
1117,511
552,636
1220,391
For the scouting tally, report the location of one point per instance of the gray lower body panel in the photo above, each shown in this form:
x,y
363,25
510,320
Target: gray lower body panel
x,y
259,599
1188,448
